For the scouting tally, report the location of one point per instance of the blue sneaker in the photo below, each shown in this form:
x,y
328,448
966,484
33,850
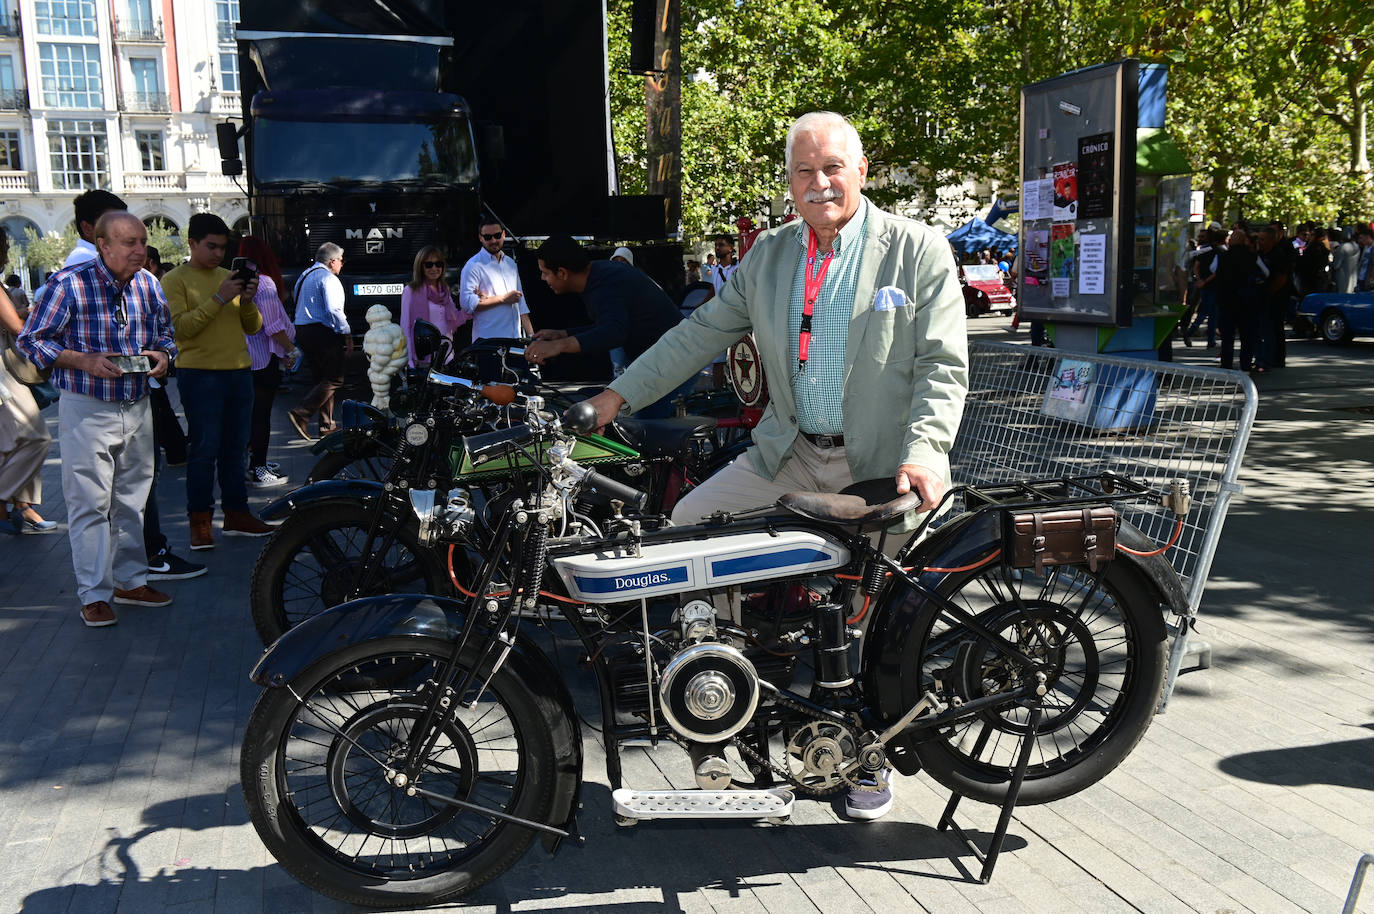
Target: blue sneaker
x,y
868,805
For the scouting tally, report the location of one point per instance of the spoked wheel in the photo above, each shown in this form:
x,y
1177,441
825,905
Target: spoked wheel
x,y
1103,656
311,562
314,773
342,465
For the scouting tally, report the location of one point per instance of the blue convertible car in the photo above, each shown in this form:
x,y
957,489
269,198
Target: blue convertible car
x,y
1339,317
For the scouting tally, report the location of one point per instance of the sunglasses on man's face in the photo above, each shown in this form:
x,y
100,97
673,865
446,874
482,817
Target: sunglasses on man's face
x,y
431,264
494,236
121,317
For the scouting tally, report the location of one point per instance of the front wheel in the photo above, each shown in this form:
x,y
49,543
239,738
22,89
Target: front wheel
x,y
1102,649
316,755
311,562
358,463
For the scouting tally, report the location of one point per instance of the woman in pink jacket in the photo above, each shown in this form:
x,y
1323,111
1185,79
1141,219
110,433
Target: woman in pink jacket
x,y
428,297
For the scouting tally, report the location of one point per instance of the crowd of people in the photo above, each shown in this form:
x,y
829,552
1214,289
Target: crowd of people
x,y
1247,282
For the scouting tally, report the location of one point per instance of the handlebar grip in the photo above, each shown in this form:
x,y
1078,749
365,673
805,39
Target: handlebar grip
x,y
500,394
609,488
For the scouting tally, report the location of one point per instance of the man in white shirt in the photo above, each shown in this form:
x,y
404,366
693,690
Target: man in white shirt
x,y
322,333
489,289
726,264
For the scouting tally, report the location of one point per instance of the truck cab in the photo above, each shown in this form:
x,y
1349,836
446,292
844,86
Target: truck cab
x,y
382,174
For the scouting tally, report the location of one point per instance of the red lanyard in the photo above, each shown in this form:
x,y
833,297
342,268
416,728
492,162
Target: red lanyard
x,y
811,290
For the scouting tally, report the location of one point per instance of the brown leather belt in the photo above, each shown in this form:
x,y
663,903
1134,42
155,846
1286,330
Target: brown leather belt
x,y
824,440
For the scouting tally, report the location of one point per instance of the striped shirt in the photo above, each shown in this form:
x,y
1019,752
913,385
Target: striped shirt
x,y
78,310
819,387
261,346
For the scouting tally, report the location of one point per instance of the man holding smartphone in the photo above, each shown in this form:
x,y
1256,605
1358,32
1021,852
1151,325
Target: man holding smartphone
x,y
212,308
89,320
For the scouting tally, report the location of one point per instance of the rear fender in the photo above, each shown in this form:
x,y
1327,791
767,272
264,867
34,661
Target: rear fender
x,y
894,635
420,615
351,490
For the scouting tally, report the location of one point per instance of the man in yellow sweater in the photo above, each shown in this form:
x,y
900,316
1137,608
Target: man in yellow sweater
x,y
211,312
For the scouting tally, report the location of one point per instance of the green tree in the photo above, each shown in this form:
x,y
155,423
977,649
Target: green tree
x,y
168,242
47,252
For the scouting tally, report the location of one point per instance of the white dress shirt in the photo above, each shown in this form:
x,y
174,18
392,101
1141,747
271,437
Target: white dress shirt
x,y
484,275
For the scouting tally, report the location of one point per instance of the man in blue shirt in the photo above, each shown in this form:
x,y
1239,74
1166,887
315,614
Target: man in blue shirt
x,y
322,334
104,328
628,310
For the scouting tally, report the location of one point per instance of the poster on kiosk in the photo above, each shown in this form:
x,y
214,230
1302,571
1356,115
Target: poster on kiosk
x,y
1078,149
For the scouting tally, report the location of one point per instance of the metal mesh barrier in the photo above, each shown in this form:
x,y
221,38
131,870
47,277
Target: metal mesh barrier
x,y
1043,412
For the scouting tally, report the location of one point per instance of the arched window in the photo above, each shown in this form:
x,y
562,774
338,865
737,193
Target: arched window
x,y
18,228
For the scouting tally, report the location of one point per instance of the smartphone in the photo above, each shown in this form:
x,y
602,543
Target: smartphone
x,y
244,269
132,364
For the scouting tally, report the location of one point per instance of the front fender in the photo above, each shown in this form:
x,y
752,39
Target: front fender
x,y
421,615
894,635
353,490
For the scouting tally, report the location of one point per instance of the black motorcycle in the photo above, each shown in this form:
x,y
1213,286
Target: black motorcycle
x,y
352,536
408,748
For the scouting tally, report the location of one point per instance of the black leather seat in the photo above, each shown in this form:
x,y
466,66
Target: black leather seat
x,y
873,501
661,437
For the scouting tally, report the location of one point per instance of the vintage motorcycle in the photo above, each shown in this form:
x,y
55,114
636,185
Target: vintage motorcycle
x,y
352,536
408,748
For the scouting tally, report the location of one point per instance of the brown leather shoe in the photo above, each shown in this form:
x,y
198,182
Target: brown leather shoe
x,y
201,535
142,596
241,523
98,614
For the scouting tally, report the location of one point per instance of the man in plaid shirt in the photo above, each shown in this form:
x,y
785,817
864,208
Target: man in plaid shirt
x,y
93,324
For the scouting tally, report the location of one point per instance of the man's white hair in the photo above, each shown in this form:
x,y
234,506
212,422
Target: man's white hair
x,y
816,122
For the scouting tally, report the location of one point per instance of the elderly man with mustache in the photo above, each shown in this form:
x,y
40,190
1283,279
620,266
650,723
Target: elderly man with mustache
x,y
859,322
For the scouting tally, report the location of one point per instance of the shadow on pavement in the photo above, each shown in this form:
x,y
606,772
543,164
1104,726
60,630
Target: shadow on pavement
x,y
676,858
1348,763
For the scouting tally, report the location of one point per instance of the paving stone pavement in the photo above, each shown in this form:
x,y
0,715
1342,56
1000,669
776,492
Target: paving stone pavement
x,y
1254,792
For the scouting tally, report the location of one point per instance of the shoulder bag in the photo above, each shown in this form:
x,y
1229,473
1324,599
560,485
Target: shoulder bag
x,y
18,364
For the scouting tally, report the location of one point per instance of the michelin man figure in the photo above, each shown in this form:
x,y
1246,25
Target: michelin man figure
x,y
385,346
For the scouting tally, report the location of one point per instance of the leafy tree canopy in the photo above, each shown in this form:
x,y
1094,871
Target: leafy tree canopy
x,y
1268,98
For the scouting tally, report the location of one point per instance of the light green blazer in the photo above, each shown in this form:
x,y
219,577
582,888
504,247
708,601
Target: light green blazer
x,y
906,367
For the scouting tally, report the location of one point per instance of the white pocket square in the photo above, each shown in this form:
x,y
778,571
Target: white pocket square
x,y
889,298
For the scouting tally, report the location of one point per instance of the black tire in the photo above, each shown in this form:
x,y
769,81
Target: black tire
x,y
309,565
1107,654
1335,328
324,810
344,465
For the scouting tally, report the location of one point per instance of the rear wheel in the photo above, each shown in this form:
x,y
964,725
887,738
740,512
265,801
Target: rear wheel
x,y
316,755
1104,659
311,562
1335,328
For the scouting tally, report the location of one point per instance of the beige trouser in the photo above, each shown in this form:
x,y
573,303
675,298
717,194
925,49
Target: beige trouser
x,y
24,441
737,487
107,471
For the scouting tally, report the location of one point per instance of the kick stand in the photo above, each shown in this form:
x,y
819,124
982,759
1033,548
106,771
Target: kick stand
x,y
1018,774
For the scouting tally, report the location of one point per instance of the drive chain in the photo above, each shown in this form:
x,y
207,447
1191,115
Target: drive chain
x,y
845,781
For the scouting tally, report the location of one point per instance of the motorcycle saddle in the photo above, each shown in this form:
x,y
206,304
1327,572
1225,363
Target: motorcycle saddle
x,y
873,501
662,437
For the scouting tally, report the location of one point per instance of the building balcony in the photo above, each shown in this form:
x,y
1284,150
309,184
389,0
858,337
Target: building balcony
x,y
145,103
228,103
153,181
14,100
139,31
18,182
211,182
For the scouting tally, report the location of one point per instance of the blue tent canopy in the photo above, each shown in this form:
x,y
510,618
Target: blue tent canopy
x,y
976,235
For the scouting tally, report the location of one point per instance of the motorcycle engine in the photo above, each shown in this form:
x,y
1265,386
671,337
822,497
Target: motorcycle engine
x,y
707,675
